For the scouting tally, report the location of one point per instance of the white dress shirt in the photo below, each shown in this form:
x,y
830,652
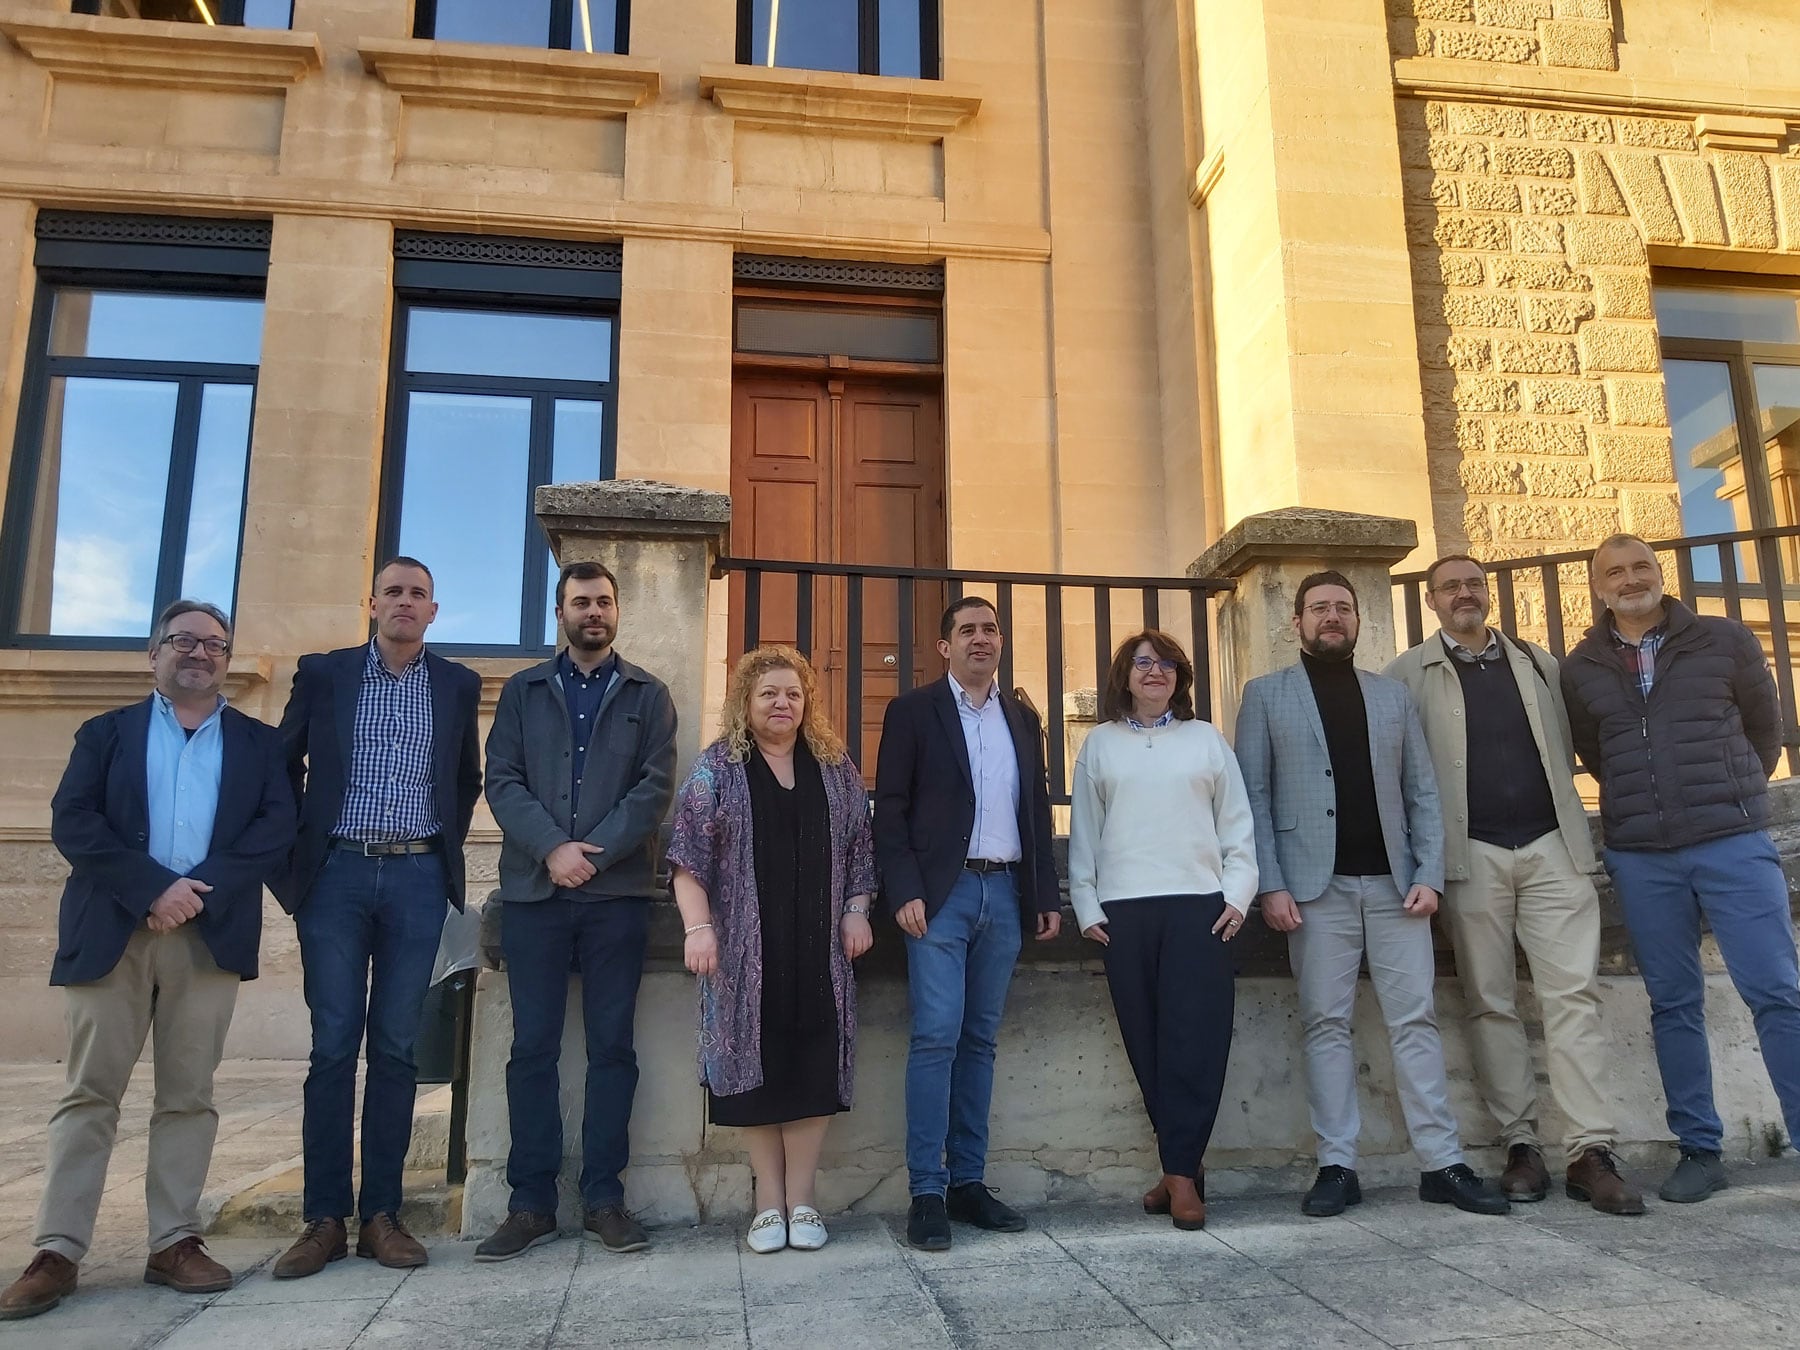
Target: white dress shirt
x,y
994,770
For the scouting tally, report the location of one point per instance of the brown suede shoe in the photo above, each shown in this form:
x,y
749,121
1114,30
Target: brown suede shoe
x,y
1526,1178
323,1242
383,1238
1594,1177
1187,1207
187,1269
47,1281
1156,1199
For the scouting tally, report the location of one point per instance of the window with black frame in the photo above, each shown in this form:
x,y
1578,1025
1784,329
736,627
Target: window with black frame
x,y
218,13
1731,366
127,488
503,381
868,37
565,25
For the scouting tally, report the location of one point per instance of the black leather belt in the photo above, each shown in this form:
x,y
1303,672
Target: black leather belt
x,y
987,865
391,848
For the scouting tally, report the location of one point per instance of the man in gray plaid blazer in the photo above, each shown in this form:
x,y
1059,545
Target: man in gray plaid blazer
x,y
1350,852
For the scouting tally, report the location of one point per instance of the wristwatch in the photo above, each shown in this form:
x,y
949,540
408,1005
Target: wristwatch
x,y
855,909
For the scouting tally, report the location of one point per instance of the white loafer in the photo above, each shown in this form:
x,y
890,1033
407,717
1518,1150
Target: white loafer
x,y
806,1229
768,1233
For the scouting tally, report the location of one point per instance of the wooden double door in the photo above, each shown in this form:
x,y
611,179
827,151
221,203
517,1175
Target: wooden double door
x,y
842,468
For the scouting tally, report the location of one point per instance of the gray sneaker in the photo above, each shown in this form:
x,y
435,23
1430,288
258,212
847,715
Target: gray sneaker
x,y
519,1234
1696,1176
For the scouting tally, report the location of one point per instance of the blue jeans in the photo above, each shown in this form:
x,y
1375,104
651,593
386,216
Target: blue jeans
x,y
369,932
604,940
1737,884
956,979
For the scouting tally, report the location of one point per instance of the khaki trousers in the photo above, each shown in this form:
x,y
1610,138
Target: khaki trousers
x,y
171,982
1536,894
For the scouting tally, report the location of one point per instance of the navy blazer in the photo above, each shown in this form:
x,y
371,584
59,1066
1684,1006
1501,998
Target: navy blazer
x,y
318,733
925,803
100,822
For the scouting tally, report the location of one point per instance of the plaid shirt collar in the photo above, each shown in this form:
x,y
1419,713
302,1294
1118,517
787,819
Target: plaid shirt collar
x,y
1491,652
1640,656
376,666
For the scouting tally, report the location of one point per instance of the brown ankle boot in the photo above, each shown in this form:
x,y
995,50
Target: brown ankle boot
x,y
1156,1199
1186,1206
1594,1177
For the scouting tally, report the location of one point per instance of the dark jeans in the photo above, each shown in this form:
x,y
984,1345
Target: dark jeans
x,y
604,940
369,932
1174,991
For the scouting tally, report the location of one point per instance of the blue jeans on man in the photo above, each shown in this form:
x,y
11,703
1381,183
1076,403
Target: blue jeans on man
x,y
957,977
369,934
1737,885
604,941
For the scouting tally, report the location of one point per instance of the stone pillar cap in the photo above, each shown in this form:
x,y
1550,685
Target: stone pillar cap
x,y
633,508
1297,532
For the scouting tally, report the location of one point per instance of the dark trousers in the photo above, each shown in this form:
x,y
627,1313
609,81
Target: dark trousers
x,y
369,932
1174,991
604,941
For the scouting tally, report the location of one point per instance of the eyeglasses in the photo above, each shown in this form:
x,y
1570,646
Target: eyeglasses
x,y
186,642
1150,663
1474,586
1331,609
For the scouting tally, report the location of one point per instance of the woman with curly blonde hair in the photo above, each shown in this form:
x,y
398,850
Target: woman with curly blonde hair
x,y
774,866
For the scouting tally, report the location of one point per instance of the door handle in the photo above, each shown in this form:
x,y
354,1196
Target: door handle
x,y
890,660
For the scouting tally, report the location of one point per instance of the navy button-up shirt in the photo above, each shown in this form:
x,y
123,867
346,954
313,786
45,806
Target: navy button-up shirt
x,y
585,694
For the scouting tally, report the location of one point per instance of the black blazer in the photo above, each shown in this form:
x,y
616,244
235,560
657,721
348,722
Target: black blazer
x,y
925,803
100,822
317,733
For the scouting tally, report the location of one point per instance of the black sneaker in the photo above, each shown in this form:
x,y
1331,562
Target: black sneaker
x,y
928,1224
521,1232
1699,1173
614,1229
1458,1185
975,1203
1333,1189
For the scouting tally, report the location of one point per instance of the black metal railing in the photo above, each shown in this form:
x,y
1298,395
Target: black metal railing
x,y
872,633
1752,576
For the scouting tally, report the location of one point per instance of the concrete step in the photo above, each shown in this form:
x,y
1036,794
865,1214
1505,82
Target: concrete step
x,y
273,1207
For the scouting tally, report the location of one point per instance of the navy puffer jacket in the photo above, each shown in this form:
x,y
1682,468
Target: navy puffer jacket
x,y
1692,762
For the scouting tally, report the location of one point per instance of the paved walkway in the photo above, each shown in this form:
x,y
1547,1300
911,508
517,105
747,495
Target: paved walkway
x,y
1556,1276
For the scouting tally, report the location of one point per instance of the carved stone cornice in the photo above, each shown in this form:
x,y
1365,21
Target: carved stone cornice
x,y
37,680
165,55
511,79
823,100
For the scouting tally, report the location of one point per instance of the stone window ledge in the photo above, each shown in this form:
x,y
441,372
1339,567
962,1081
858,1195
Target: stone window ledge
x,y
35,679
823,100
166,55
511,79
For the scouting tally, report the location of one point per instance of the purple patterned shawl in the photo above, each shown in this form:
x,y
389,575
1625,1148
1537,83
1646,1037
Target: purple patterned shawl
x,y
712,840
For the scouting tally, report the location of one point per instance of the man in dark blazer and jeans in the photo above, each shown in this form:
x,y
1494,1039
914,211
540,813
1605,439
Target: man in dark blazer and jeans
x,y
173,812
385,758
581,769
962,840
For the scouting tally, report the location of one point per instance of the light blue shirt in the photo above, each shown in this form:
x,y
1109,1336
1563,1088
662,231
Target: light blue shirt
x,y
182,785
994,769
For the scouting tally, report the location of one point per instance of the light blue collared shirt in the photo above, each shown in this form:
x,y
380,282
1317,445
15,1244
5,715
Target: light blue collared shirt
x,y
994,769
182,785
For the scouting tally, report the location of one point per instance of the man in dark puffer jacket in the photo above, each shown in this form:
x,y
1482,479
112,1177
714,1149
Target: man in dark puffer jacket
x,y
1676,715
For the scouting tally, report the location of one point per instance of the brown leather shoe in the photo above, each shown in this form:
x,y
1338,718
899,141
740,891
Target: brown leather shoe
x,y
323,1242
383,1238
1526,1178
47,1281
1156,1199
1187,1207
187,1269
1594,1177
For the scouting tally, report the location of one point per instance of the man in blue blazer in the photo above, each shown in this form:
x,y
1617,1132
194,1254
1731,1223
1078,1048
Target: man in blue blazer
x,y
385,758
172,814
963,842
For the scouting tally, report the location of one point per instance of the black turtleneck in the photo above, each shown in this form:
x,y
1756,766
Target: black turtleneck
x,y
1361,849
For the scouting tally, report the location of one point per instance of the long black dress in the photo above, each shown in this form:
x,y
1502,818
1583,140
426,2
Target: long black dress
x,y
791,844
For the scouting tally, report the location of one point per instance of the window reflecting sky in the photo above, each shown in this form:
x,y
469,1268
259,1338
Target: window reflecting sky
x,y
525,346
593,26
216,518
1706,446
808,34
517,23
138,326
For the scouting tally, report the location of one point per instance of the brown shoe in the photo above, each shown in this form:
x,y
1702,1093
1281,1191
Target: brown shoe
x,y
383,1238
323,1242
1156,1199
614,1229
1187,1206
47,1281
1594,1177
1526,1178
187,1269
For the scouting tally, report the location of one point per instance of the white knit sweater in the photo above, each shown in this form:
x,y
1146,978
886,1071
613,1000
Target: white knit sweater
x,y
1158,812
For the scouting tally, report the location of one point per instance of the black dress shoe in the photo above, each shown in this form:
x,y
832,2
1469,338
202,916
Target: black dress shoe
x,y
1333,1189
927,1224
1458,1185
973,1203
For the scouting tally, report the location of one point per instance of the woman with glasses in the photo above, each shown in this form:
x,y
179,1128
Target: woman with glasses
x,y
1162,869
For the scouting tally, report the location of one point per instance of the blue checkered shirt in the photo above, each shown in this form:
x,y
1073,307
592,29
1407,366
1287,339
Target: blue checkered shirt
x,y
1640,656
389,794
